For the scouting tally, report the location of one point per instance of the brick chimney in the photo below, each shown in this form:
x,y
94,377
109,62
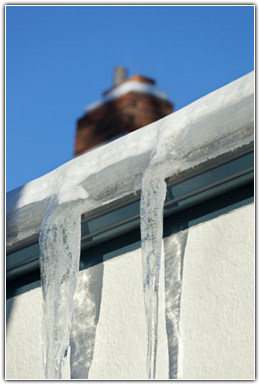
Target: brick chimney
x,y
130,104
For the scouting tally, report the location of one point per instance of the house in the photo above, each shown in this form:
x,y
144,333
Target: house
x,y
205,154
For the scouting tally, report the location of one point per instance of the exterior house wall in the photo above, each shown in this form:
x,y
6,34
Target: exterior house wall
x,y
216,339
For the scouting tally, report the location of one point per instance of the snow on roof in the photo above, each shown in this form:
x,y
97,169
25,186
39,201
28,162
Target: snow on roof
x,y
126,87
211,126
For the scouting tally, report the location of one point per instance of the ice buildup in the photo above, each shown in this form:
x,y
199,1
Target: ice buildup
x,y
216,124
153,196
59,241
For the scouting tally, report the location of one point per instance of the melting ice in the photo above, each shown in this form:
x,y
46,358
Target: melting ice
x,y
59,243
152,200
182,140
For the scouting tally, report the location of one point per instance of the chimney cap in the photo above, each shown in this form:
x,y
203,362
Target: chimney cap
x,y
135,78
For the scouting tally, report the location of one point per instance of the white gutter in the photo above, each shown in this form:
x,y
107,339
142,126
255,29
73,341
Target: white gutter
x,y
213,125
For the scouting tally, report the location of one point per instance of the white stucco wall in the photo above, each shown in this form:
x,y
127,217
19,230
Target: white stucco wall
x,y
217,307
216,319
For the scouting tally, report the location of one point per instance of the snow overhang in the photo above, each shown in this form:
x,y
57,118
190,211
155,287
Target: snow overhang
x,y
210,132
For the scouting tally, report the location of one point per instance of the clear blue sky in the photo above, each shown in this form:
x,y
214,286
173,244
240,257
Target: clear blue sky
x,y
59,59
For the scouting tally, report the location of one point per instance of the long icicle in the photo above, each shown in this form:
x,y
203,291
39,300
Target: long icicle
x,y
151,214
59,243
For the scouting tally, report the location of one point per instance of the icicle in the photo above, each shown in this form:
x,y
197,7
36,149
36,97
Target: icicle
x,y
151,213
86,308
59,243
174,248
83,329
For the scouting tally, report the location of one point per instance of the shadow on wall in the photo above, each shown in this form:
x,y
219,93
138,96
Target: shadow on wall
x,y
9,308
87,301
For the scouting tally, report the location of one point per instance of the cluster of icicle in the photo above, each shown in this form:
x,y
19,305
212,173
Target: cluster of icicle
x,y
59,241
219,122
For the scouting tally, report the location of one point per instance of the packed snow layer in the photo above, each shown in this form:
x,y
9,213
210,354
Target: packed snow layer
x,y
122,89
213,125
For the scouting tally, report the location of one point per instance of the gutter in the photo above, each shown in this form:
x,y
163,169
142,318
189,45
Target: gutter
x,y
23,257
210,132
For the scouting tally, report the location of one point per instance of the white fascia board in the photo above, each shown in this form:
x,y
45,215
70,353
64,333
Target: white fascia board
x,y
125,88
